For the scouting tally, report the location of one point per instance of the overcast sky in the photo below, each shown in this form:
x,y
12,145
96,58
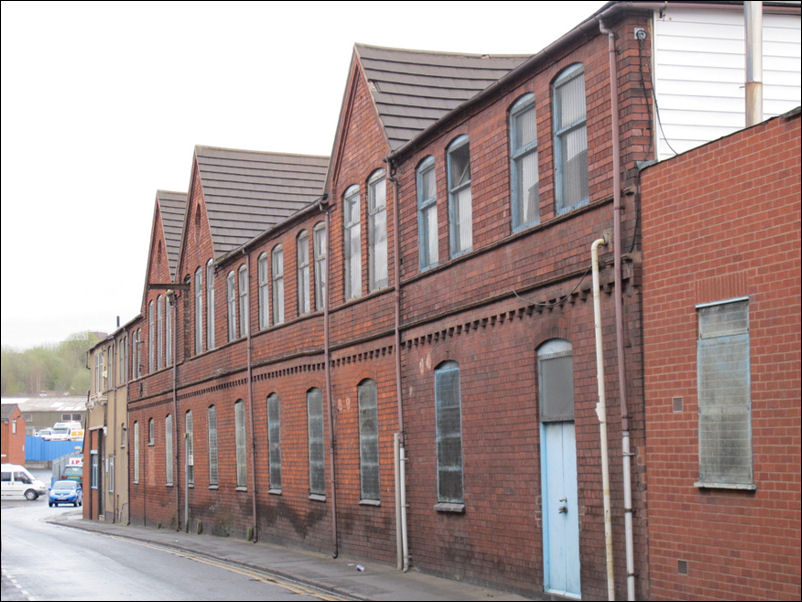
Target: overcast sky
x,y
103,104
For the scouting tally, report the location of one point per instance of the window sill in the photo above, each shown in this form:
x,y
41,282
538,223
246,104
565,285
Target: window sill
x,y
449,507
215,487
370,502
736,486
274,491
241,489
317,497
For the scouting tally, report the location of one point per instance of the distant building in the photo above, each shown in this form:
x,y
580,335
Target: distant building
x,y
44,412
12,435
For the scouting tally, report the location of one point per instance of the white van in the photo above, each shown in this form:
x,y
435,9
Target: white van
x,y
18,482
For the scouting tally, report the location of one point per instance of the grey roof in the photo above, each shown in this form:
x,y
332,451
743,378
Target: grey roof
x,y
412,89
48,404
248,192
8,410
172,207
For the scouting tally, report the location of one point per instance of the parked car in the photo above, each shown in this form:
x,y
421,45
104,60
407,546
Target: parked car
x,y
72,473
66,492
45,433
18,482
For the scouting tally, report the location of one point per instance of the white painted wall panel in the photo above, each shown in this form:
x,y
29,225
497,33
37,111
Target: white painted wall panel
x,y
699,68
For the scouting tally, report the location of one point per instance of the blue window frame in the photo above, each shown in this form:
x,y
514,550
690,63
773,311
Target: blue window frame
x,y
427,214
570,139
460,204
523,164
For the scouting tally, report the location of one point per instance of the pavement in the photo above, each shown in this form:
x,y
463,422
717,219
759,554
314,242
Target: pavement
x,y
343,577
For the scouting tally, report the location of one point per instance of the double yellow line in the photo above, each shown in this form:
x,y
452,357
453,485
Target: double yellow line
x,y
254,574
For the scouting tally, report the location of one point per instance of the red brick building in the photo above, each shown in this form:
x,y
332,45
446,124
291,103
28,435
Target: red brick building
x,y
391,352
721,322
12,435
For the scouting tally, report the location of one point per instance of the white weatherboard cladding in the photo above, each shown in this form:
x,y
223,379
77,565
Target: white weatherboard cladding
x,y
700,73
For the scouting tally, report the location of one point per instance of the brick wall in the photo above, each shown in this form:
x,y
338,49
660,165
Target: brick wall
x,y
720,222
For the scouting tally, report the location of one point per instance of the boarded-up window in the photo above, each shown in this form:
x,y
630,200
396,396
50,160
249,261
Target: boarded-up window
x,y
556,380
725,404
314,406
368,441
449,433
274,440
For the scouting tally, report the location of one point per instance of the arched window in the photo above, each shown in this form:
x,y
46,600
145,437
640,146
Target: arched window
x,y
302,276
264,292
244,314
198,311
428,254
317,471
352,249
240,444
523,163
377,231
231,298
274,441
448,409
277,256
460,204
210,304
368,441
320,265
570,139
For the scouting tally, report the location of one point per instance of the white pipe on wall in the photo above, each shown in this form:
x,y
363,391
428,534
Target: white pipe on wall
x,y
601,413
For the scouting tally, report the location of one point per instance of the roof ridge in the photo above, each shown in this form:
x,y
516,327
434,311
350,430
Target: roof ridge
x,y
443,52
257,152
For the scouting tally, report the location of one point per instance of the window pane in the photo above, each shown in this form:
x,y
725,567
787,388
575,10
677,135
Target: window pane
x,y
232,306
460,163
274,440
302,260
449,434
368,441
278,285
571,99
212,431
320,266
239,435
527,188
210,305
430,250
243,301
168,449
463,220
574,157
556,375
524,128
314,404
264,304
190,450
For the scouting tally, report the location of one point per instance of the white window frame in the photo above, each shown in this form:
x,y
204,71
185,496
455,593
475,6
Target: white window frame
x,y
198,311
168,450
211,428
240,444
352,243
274,441
302,261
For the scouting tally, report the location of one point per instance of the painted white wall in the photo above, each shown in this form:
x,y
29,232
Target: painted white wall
x,y
700,72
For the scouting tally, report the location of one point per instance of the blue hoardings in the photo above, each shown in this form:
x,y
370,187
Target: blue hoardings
x,y
39,450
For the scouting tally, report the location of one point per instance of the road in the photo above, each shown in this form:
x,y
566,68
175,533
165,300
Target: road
x,y
43,561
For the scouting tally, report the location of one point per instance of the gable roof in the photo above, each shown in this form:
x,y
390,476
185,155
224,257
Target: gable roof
x,y
412,89
248,192
172,206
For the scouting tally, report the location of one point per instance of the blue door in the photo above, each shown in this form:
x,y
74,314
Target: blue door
x,y
560,509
